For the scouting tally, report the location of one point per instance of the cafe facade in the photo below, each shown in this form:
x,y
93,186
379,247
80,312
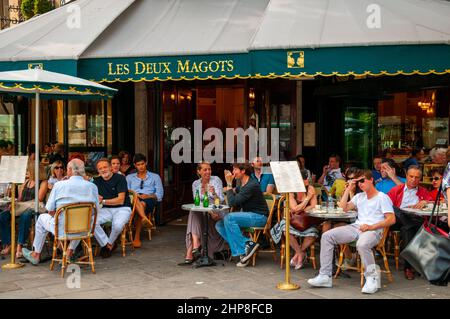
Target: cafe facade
x,y
327,80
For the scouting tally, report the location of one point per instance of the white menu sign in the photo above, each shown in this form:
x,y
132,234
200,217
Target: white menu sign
x,y
287,177
13,169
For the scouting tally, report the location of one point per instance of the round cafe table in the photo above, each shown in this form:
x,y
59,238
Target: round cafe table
x,y
334,214
204,260
425,212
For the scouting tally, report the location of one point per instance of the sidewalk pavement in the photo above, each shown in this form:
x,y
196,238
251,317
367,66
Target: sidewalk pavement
x,y
152,272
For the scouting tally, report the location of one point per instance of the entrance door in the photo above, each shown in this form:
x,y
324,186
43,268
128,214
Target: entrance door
x,y
178,111
360,135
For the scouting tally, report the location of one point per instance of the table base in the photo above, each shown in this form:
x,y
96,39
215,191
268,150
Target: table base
x,y
204,261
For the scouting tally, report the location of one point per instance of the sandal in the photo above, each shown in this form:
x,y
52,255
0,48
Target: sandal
x,y
302,263
19,255
5,251
186,262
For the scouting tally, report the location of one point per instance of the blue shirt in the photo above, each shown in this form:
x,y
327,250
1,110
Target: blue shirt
x,y
73,190
264,181
376,176
152,185
410,161
386,184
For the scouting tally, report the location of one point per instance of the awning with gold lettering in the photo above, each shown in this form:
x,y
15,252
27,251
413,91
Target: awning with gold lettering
x,y
154,40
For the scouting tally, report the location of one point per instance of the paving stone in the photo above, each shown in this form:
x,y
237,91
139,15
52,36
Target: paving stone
x,y
152,272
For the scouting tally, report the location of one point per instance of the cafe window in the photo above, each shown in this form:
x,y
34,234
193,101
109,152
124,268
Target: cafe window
x,y
7,128
89,125
413,119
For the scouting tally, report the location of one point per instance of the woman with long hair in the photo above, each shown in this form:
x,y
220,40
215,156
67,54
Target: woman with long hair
x,y
26,194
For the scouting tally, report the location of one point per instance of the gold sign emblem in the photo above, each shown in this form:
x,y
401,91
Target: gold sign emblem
x,y
295,59
36,66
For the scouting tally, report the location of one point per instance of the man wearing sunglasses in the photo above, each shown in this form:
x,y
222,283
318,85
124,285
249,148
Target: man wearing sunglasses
x,y
149,188
113,194
375,212
411,195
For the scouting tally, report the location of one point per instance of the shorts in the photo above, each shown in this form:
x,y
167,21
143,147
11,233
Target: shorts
x,y
149,204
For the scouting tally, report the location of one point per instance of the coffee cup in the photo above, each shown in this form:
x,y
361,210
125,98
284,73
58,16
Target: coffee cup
x,y
340,210
318,207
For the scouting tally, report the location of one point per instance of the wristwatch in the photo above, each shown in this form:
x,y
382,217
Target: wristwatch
x,y
103,201
230,185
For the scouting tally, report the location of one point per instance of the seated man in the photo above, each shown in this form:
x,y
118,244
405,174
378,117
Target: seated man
x,y
149,188
331,172
375,212
113,194
265,180
249,197
73,190
389,177
409,195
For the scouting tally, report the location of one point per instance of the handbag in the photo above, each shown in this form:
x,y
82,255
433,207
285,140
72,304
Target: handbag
x,y
429,251
21,207
302,221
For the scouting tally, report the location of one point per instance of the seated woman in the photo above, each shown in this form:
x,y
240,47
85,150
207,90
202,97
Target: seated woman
x,y
212,187
299,203
56,174
115,165
24,212
126,167
436,180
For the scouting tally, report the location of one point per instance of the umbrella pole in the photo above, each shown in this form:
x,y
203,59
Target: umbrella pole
x,y
36,159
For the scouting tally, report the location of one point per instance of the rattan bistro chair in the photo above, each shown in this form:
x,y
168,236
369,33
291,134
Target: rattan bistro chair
x,y
255,232
312,248
380,247
126,238
79,224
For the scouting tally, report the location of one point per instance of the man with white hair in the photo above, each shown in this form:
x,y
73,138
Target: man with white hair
x,y
74,190
438,156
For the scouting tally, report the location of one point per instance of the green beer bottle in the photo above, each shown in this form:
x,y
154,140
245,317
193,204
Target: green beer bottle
x,y
205,200
197,198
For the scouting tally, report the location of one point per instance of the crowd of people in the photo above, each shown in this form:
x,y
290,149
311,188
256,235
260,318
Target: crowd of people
x,y
70,183
379,196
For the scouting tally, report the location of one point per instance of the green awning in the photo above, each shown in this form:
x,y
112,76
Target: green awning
x,y
195,67
358,61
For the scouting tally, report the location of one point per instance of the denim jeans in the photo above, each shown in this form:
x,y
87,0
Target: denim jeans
x,y
230,229
24,226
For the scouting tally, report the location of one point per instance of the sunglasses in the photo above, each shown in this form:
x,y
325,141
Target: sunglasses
x,y
142,183
360,181
435,179
59,167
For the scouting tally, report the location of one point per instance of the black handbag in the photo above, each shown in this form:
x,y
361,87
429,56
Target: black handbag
x,y
429,251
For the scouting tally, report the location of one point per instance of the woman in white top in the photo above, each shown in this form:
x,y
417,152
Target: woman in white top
x,y
57,173
212,187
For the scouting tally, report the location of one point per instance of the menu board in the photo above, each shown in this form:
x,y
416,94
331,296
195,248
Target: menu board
x,y
287,177
13,169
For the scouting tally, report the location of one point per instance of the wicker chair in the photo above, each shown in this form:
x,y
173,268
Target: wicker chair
x,y
127,231
380,247
312,248
255,232
78,225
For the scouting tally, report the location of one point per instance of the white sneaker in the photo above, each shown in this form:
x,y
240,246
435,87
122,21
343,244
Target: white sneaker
x,y
371,285
321,281
243,263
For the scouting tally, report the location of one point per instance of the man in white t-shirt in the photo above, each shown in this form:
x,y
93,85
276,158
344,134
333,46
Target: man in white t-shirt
x,y
375,212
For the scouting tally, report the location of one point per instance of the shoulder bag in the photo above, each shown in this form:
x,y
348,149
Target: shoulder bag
x,y
429,251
